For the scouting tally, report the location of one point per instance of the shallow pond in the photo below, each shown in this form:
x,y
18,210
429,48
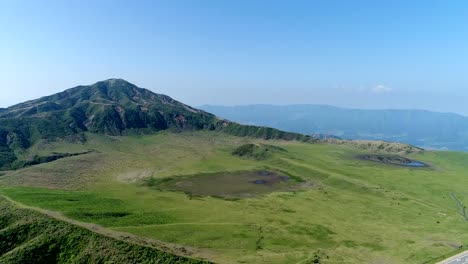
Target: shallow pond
x,y
393,160
230,184
416,164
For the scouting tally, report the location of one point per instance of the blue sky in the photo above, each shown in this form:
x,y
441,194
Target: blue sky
x,y
362,54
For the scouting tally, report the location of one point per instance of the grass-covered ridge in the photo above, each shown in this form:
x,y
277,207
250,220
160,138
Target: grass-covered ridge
x,y
27,236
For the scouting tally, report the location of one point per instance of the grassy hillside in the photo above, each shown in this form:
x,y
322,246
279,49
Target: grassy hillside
x,y
27,236
345,210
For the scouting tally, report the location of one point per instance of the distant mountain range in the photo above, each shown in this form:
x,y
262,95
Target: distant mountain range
x,y
431,130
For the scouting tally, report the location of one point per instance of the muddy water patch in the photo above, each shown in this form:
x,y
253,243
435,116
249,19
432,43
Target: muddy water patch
x,y
230,184
259,182
393,160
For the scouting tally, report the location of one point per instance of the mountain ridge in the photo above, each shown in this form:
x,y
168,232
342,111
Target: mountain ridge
x,y
112,107
427,129
203,106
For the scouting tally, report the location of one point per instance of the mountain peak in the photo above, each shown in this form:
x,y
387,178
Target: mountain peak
x,y
107,86
111,106
115,82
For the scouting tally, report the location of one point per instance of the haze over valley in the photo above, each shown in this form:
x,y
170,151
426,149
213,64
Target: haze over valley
x,y
426,129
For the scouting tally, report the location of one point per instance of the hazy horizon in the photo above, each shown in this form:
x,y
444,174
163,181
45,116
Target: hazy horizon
x,y
329,105
363,54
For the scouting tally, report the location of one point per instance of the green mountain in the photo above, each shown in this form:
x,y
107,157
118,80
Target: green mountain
x,y
112,107
109,107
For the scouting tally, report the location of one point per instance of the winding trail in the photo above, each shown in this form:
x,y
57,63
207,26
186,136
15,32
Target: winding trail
x,y
122,236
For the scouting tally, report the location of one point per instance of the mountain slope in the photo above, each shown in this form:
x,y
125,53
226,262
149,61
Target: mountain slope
x,y
30,237
422,128
112,107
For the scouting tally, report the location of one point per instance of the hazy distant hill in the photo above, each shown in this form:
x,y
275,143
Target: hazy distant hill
x,y
422,128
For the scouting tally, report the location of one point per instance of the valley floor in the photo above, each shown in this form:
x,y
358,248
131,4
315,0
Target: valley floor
x,y
347,211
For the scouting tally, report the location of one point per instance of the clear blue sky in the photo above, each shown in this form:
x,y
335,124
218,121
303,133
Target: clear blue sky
x,y
365,54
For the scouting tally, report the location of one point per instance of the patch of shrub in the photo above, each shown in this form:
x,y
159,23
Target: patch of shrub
x,y
256,151
7,158
18,164
152,181
244,150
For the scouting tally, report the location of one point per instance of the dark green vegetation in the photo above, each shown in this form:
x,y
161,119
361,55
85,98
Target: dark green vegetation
x,y
235,184
256,151
417,127
112,107
30,237
36,159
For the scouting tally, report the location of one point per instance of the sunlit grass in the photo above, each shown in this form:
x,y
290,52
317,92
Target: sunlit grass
x,y
352,210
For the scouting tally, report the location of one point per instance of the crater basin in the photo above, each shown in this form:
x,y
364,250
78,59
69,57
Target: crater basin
x,y
230,184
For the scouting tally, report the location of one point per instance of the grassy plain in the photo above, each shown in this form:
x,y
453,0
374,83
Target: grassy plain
x,y
352,211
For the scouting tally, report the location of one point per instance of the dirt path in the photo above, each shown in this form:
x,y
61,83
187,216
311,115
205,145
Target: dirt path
x,y
123,236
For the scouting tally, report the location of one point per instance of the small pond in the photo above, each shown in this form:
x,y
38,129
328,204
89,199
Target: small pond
x,y
230,184
416,164
393,160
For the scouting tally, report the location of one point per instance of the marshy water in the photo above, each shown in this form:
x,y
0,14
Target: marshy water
x,y
393,160
230,184
416,164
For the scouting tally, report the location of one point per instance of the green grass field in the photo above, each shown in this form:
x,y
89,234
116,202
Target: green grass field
x,y
27,236
350,210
